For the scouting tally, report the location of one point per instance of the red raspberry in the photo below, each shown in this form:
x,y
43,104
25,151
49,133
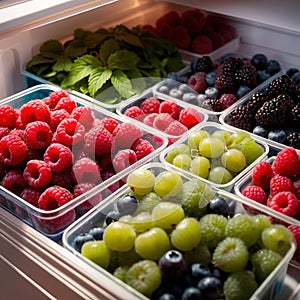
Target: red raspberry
x,y
63,179
34,110
56,117
165,22
31,195
287,163
134,112
295,229
142,148
190,117
149,119
19,123
227,100
8,116
262,174
14,181
37,173
170,107
197,82
69,132
150,105
84,115
58,157
18,132
13,150
114,186
279,184
255,193
92,201
176,129
193,20
110,124
179,36
202,44
4,131
98,141
54,197
38,135
54,97
125,135
162,121
123,159
86,170
284,202
66,103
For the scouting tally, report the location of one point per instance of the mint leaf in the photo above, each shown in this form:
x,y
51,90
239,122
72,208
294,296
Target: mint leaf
x,y
108,94
129,38
137,80
39,59
62,64
97,79
122,60
122,83
108,47
81,68
75,48
52,48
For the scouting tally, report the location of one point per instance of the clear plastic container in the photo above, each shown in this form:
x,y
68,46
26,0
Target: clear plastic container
x,y
268,290
52,222
137,101
210,128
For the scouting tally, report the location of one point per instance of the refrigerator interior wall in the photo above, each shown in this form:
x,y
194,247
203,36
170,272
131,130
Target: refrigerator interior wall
x,y
43,265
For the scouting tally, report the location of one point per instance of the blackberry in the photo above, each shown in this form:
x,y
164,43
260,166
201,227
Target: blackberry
x,y
226,83
256,101
248,76
241,117
281,85
202,64
293,139
231,65
286,100
272,115
295,113
211,104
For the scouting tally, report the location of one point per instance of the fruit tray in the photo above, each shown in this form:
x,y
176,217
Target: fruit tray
x,y
155,63
218,83
89,167
279,127
203,150
121,211
173,118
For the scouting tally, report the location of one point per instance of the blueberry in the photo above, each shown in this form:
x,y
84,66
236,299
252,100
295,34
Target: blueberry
x,y
242,91
176,93
278,136
184,88
172,76
212,92
97,233
164,89
112,216
259,130
194,64
262,76
210,288
198,271
201,98
296,78
210,78
127,205
218,206
259,61
182,78
291,71
167,296
272,67
190,98
81,239
191,293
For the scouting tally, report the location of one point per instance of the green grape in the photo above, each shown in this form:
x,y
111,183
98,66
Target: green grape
x,y
200,254
182,161
141,181
219,175
195,138
186,235
233,160
120,272
119,236
200,166
147,203
128,258
167,215
251,150
262,222
237,137
126,219
175,150
152,244
168,184
211,147
142,222
97,252
223,135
